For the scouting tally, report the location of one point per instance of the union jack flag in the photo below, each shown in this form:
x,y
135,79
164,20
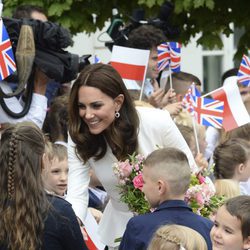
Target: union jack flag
x,y
208,112
163,56
175,54
244,71
7,63
188,100
97,59
194,91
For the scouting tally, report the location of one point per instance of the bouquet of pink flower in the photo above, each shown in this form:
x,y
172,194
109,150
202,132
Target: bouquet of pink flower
x,y
129,174
201,196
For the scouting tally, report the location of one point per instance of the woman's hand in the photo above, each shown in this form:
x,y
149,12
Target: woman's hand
x,y
96,213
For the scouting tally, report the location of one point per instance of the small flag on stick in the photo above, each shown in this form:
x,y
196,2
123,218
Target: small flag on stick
x,y
244,71
130,63
163,56
208,112
175,54
169,56
7,62
235,113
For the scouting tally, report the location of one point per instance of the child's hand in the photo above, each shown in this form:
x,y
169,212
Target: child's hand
x,y
171,96
201,162
174,108
156,98
160,99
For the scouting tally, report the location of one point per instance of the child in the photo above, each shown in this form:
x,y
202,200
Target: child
x,y
244,133
232,160
166,177
184,123
176,237
188,134
30,218
231,230
55,172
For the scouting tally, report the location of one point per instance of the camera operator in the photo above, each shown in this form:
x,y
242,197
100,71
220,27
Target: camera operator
x,y
35,12
38,108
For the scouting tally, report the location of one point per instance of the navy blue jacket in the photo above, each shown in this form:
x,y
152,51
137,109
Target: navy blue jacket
x,y
61,229
94,201
140,229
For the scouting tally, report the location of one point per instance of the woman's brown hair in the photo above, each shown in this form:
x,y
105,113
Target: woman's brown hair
x,y
123,131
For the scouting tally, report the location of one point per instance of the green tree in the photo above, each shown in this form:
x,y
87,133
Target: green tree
x,y
209,18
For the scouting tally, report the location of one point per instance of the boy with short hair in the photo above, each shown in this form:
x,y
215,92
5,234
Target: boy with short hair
x,y
55,172
231,230
166,176
181,81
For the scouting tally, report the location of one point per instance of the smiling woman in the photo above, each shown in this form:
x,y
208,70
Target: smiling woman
x,y
104,128
97,109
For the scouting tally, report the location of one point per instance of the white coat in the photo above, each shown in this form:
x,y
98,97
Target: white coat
x,y
156,129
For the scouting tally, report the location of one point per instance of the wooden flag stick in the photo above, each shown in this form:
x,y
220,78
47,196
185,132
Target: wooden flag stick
x,y
142,88
195,135
1,8
170,78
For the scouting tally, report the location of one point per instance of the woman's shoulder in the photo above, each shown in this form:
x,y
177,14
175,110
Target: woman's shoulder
x,y
151,113
154,121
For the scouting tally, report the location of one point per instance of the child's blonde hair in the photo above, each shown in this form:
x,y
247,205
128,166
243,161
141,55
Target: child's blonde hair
x,y
227,187
55,151
177,237
164,163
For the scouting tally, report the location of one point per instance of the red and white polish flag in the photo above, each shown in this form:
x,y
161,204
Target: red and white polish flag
x,y
235,113
130,63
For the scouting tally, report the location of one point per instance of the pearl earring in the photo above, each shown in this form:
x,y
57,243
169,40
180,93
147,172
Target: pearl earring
x,y
117,114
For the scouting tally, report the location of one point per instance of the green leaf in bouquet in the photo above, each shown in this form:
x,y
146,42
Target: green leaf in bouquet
x,y
194,180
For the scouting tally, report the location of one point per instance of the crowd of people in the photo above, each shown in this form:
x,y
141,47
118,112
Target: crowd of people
x,y
55,171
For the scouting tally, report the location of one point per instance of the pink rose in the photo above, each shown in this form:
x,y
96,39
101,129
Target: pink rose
x,y
201,178
200,199
125,168
138,181
137,168
207,191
